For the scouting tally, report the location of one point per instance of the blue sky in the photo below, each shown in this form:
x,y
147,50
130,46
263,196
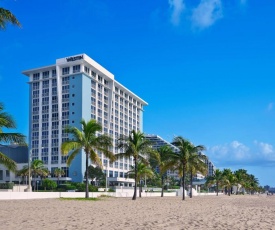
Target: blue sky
x,y
206,67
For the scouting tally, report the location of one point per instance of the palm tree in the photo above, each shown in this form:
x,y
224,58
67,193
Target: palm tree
x,y
58,172
137,146
228,180
252,183
196,163
37,168
143,170
7,17
161,161
7,122
240,176
180,159
87,139
216,179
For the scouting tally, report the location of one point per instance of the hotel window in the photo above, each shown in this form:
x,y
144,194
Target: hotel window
x,y
35,85
116,164
55,108
54,90
93,74
116,89
45,92
35,93
86,69
65,88
116,173
99,78
36,76
1,174
76,68
45,74
65,70
45,117
45,100
105,82
53,73
54,83
93,84
121,174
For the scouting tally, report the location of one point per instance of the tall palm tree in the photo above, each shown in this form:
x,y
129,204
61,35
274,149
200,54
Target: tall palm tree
x,y
58,172
137,146
36,168
7,122
180,159
143,170
87,138
196,163
216,179
161,161
7,17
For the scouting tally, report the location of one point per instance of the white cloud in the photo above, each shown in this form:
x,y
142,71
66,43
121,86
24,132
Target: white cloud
x,y
265,149
177,7
237,153
270,106
207,13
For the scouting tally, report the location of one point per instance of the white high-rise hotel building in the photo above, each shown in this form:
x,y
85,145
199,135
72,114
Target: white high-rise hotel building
x,y
74,88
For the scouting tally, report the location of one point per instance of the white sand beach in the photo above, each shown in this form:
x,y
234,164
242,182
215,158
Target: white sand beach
x,y
223,212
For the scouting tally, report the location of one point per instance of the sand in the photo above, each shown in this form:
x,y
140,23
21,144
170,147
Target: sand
x,y
223,212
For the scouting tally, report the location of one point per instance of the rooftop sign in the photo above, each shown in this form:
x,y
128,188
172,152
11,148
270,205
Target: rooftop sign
x,y
74,58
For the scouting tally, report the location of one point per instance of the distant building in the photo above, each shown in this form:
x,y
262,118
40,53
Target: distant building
x,y
17,153
158,142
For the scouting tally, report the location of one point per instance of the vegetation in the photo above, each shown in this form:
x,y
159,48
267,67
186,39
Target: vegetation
x,y
7,122
58,172
143,170
226,179
162,161
36,168
181,159
49,184
137,146
8,185
216,179
196,163
87,139
95,173
7,17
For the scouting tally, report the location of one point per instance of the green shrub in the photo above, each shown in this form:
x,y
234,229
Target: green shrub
x,y
8,185
111,190
49,184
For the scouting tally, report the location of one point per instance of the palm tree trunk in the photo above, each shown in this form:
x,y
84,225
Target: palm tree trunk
x,y
140,188
162,185
183,183
86,175
217,187
135,188
191,184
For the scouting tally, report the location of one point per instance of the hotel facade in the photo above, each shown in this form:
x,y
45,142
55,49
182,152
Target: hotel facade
x,y
74,88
